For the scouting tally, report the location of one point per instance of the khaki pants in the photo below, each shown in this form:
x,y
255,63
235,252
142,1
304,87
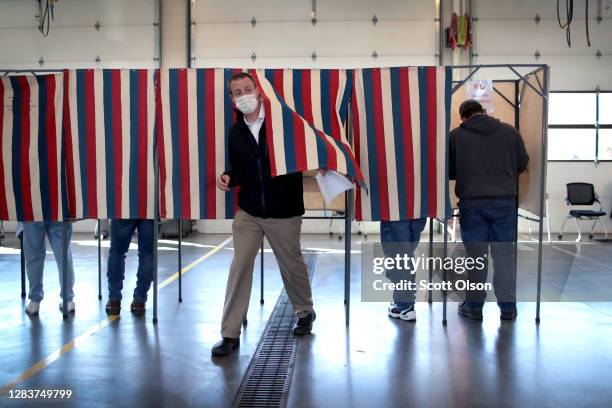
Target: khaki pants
x,y
283,234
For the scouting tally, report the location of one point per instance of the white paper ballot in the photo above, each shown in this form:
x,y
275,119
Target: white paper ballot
x,y
332,184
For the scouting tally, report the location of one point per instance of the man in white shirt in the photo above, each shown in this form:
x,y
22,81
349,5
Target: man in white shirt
x,y
270,207
255,126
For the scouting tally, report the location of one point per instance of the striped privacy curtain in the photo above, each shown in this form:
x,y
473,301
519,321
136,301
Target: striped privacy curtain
x,y
308,108
304,131
195,114
109,118
400,126
113,118
30,148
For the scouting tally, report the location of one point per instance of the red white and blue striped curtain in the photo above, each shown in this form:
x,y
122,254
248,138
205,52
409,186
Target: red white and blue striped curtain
x,y
195,113
305,131
401,120
400,123
309,108
30,148
109,118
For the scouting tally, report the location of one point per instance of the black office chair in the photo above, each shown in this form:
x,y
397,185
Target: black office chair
x,y
583,194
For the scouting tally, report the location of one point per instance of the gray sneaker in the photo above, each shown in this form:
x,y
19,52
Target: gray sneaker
x,y
70,306
32,308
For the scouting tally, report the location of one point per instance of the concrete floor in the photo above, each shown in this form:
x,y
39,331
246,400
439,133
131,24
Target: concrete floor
x,y
377,361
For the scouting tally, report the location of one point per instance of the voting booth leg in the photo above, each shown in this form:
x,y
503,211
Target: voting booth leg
x,y
261,272
347,254
345,218
431,224
23,272
180,260
64,267
445,273
99,260
515,244
542,186
155,246
157,220
539,290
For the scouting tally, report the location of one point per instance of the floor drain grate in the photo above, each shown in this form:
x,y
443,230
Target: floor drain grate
x,y
266,382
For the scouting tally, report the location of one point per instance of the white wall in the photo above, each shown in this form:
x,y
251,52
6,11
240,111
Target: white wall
x,y
284,36
173,33
127,37
506,32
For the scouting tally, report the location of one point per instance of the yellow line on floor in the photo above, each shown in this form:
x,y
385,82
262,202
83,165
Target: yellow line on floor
x,y
51,358
195,263
580,256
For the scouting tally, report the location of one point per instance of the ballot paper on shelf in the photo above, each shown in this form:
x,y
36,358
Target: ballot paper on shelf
x,y
331,184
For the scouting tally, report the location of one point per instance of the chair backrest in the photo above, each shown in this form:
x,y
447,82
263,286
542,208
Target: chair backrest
x,y
580,193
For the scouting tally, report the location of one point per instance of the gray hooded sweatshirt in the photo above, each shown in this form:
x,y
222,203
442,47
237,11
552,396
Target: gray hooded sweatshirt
x,y
486,157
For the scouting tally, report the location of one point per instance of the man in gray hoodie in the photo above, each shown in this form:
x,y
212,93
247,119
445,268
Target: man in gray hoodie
x,y
486,158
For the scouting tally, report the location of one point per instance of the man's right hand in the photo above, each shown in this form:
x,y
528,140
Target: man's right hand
x,y
223,182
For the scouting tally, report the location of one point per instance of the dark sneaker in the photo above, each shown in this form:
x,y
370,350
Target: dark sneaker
x,y
474,313
509,314
225,346
404,314
113,307
304,324
138,308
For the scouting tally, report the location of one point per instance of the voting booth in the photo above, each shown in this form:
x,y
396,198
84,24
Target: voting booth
x,y
517,95
149,144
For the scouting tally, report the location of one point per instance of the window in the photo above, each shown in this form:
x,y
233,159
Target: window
x,y
572,108
605,144
571,144
605,108
580,126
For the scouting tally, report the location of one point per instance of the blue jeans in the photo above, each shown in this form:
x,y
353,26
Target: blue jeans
x,y
491,223
34,250
121,232
407,233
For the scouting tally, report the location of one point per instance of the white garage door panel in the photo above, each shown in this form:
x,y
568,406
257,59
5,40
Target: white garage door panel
x,y
383,9
126,38
519,37
236,10
19,13
321,62
262,10
519,8
347,39
80,46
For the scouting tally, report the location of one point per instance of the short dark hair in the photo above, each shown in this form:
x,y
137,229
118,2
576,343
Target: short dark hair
x,y
469,108
237,76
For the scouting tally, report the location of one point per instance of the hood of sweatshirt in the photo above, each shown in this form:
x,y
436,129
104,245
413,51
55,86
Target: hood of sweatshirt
x,y
482,124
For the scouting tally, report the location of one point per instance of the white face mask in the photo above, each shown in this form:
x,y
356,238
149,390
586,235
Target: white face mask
x,y
247,103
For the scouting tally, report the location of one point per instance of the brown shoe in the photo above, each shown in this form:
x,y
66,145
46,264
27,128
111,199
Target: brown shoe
x,y
113,307
138,308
